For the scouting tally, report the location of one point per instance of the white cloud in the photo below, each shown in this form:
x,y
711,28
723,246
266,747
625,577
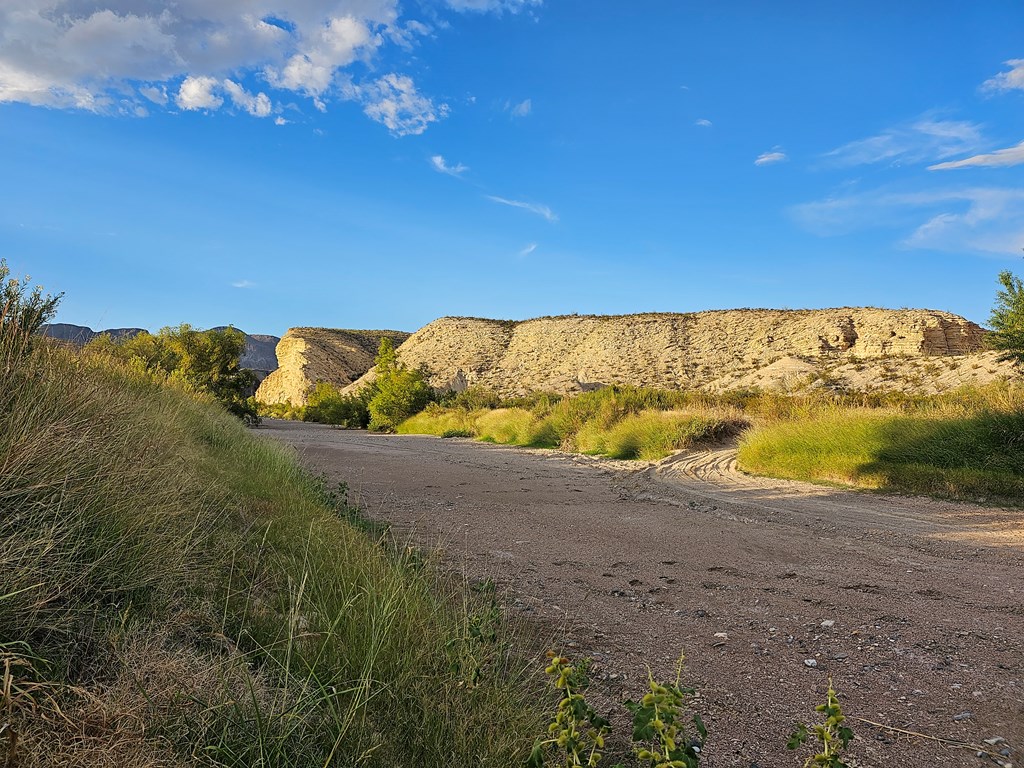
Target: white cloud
x,y
441,166
115,56
528,249
1001,158
257,106
280,121
769,158
703,123
394,101
198,93
926,139
972,219
1007,81
540,210
243,284
522,109
483,6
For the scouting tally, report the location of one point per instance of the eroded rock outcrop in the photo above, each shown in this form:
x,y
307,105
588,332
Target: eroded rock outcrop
x,y
674,351
308,355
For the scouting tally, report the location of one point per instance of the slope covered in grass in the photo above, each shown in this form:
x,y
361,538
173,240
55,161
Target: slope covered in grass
x,y
176,591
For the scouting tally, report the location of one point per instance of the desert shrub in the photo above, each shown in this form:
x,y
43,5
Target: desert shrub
x,y
440,421
397,392
327,405
475,399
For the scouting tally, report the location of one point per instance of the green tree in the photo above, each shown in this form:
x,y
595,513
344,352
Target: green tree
x,y
22,313
1007,319
200,361
398,391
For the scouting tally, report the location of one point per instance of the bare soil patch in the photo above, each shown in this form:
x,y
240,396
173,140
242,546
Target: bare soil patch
x,y
912,606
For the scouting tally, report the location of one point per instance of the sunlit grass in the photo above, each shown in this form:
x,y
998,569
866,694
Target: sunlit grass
x,y
160,566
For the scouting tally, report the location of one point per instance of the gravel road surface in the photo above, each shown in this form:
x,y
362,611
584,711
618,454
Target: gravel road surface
x,y
914,607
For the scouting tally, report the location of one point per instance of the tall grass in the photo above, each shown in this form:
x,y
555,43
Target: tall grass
x,y
618,422
964,456
174,590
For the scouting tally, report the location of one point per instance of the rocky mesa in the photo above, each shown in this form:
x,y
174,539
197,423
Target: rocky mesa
x,y
308,355
715,349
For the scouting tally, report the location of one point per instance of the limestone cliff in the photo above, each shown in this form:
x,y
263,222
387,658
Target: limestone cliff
x,y
308,355
674,351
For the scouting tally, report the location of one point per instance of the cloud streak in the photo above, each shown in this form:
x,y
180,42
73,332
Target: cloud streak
x,y
1011,80
1001,158
535,208
986,220
926,139
441,166
770,158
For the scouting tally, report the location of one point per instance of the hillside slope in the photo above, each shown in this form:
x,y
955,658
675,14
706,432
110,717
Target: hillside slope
x,y
308,355
715,349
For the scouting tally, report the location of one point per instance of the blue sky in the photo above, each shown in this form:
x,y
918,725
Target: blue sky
x,y
378,164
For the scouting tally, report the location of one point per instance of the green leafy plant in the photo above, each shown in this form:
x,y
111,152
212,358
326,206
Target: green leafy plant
x,y
21,314
832,735
1007,319
660,739
398,391
577,733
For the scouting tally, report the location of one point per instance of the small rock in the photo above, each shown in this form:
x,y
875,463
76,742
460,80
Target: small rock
x,y
722,635
828,623
995,740
813,663
963,716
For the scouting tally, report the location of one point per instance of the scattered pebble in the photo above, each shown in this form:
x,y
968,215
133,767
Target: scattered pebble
x,y
722,635
813,663
963,716
995,740
828,623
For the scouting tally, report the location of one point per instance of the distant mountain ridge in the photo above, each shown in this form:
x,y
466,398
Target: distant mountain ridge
x,y
259,355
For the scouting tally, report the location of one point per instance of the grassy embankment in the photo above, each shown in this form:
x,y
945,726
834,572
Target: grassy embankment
x,y
965,444
176,591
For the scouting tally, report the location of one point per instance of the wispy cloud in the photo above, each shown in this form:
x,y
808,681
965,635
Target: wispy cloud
x,y
1012,79
1001,158
703,123
925,139
540,210
972,219
441,166
528,249
499,6
243,284
520,109
770,158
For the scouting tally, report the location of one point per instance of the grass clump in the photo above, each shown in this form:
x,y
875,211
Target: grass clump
x,y
618,422
964,456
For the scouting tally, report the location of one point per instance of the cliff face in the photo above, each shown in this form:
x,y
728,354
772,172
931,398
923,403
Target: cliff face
x,y
673,351
308,355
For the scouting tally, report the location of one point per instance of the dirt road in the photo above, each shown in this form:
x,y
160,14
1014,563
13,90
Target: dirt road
x,y
914,608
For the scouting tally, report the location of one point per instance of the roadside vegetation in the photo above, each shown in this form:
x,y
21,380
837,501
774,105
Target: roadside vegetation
x,y
177,591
